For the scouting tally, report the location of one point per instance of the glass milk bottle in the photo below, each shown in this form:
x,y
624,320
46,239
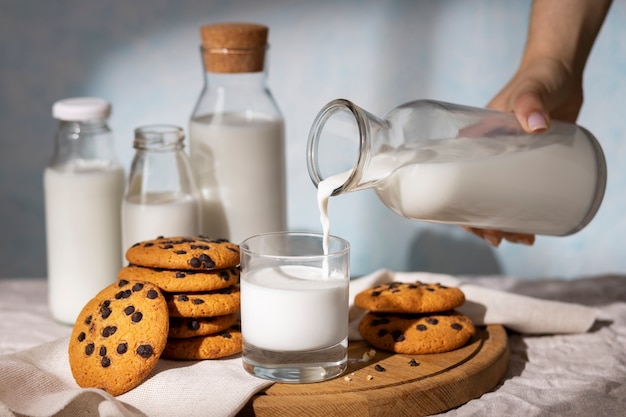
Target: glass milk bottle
x,y
448,163
83,187
161,196
237,136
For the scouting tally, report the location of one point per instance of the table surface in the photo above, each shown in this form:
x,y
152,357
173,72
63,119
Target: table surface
x,y
555,375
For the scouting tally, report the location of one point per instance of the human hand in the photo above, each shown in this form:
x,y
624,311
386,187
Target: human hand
x,y
540,90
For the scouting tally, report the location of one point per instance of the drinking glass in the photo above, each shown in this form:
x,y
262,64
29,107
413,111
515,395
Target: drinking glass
x,y
294,306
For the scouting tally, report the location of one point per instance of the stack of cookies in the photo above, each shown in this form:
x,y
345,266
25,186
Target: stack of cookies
x,y
199,278
414,318
178,299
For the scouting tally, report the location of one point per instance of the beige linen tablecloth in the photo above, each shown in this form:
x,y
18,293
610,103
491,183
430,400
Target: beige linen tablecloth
x,y
577,374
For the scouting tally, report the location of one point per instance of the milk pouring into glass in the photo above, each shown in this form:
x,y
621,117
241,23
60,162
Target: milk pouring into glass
x,y
454,164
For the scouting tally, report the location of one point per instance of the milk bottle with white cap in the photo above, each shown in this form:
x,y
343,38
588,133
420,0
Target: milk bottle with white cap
x,y
83,186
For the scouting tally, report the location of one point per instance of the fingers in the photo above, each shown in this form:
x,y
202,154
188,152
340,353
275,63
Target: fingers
x,y
494,237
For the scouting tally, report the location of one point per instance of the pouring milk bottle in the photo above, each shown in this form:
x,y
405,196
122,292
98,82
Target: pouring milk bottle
x,y
454,164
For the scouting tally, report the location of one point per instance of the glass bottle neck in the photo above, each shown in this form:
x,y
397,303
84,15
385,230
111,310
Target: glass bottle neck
x,y
83,140
342,141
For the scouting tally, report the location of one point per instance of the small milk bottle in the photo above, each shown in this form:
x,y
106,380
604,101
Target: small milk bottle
x,y
161,196
448,163
236,136
83,188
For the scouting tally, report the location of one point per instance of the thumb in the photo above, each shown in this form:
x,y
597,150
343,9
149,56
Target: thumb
x,y
531,112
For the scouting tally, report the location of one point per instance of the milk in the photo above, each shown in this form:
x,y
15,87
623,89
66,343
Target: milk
x,y
148,216
289,308
82,232
238,160
542,190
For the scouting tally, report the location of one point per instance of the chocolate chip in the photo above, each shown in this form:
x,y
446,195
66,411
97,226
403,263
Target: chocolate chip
x,y
193,324
105,362
129,310
224,275
136,318
108,331
122,348
413,362
169,246
397,335
103,351
202,247
382,332
145,351
378,322
421,327
122,282
456,326
226,335
152,294
89,349
430,289
375,293
180,252
195,262
197,301
180,274
432,320
105,311
123,294
137,287
88,319
148,244
379,368
206,261
81,336
182,297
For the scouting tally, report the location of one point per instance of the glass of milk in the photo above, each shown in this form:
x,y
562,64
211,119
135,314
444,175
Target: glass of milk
x,y
294,306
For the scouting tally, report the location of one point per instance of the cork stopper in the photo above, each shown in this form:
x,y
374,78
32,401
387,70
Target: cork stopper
x,y
234,47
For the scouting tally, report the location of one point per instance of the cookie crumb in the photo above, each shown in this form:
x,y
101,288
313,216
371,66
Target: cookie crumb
x,y
379,368
369,377
347,378
368,356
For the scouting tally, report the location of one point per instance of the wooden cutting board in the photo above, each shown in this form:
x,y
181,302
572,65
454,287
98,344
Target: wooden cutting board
x,y
438,383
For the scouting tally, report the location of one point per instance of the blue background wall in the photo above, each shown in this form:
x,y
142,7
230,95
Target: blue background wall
x,y
144,57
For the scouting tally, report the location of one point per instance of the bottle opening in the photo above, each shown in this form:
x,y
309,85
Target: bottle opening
x,y
336,145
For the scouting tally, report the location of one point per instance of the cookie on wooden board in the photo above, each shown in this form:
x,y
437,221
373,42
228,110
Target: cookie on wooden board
x,y
415,297
415,334
214,346
195,253
173,280
118,336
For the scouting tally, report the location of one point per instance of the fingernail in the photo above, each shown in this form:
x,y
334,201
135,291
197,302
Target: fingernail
x,y
536,122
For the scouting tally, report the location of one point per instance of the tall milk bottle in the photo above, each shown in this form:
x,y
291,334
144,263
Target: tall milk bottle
x,y
83,187
236,136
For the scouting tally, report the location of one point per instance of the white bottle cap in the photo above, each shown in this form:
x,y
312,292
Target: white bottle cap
x,y
81,108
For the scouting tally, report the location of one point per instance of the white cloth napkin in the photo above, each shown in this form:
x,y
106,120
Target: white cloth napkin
x,y
38,381
486,306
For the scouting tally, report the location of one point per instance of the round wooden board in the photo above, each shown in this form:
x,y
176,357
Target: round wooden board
x,y
438,383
